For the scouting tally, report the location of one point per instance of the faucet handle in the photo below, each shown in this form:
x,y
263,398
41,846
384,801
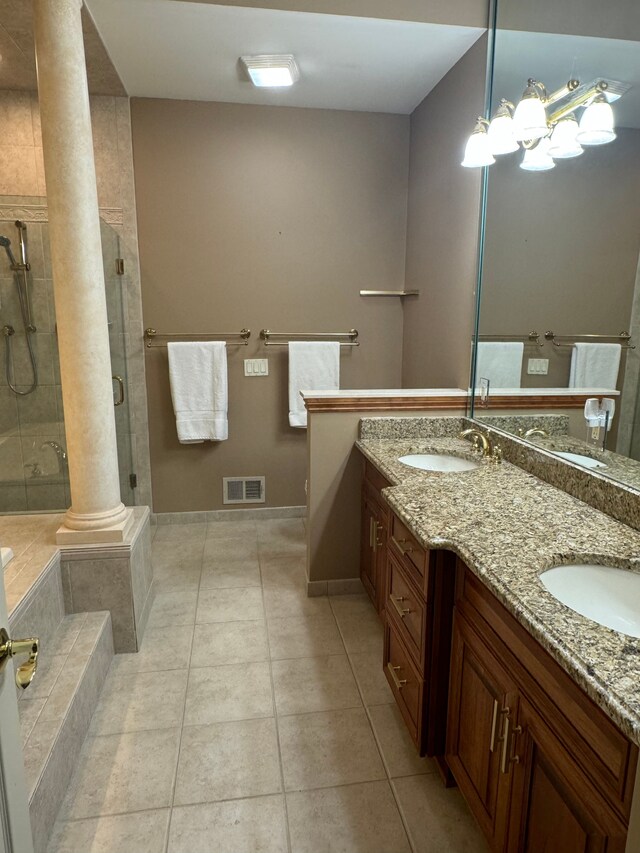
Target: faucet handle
x,y
496,456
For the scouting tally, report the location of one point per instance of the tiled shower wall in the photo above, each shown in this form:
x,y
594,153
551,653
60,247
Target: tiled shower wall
x,y
26,423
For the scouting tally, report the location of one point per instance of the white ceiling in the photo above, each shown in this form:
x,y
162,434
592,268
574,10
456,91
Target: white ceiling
x,y
168,49
554,58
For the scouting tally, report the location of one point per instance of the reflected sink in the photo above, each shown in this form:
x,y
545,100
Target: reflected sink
x,y
585,461
438,462
607,595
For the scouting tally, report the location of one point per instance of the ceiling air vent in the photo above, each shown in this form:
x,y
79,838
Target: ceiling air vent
x,y
243,490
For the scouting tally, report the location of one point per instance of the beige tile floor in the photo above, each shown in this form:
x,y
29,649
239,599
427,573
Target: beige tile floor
x,y
254,719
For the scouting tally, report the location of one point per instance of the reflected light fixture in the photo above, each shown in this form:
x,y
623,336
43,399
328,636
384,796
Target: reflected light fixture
x,y
477,151
563,142
530,118
501,134
272,71
537,158
596,124
540,117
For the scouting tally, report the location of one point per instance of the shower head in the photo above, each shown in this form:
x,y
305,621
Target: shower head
x,y
5,242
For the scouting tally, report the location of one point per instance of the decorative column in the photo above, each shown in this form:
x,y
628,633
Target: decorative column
x,y
97,514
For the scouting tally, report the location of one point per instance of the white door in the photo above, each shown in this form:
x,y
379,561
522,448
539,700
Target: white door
x,y
15,834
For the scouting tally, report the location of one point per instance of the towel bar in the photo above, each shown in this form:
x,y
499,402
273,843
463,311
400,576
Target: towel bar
x,y
624,338
150,336
266,336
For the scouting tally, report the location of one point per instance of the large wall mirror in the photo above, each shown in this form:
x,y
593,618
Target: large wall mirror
x,y
559,301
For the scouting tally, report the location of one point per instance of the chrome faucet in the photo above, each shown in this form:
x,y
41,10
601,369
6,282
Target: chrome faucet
x,y
482,444
60,452
534,431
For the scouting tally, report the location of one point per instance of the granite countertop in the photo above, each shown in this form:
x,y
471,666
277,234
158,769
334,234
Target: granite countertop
x,y
619,467
508,527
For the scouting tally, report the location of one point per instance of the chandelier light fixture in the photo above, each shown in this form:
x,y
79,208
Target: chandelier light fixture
x,y
545,125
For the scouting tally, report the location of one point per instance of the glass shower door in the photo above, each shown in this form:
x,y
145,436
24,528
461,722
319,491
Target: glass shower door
x,y
115,288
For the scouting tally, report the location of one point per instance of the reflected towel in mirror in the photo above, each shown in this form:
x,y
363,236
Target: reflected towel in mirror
x,y
501,363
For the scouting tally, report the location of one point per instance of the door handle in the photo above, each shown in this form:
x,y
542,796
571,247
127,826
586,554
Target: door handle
x,y
10,648
404,549
120,382
397,603
399,682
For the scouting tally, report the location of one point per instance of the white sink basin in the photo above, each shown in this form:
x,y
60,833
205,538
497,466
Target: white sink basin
x,y
438,462
585,461
609,596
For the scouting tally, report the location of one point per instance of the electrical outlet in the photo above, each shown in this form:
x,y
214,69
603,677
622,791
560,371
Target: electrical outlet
x,y
256,367
538,366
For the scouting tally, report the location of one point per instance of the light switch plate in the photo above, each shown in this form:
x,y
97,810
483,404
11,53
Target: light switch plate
x,y
538,366
256,367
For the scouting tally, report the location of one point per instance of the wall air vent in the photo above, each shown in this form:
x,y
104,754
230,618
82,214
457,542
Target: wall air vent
x,y
243,490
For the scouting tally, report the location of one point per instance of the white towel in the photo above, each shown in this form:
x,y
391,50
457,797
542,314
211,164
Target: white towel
x,y
198,376
595,366
312,365
501,363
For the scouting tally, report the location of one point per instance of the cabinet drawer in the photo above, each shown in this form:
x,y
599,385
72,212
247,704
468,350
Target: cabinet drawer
x,y
407,611
405,682
409,551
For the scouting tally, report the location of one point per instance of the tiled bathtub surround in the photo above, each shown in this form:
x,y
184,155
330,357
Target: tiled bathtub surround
x,y
619,500
266,726
509,526
115,578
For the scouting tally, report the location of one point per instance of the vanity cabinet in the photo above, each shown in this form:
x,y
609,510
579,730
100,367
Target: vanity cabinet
x,y
418,605
373,535
539,764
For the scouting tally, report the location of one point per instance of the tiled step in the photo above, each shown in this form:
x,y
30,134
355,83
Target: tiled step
x,y
56,710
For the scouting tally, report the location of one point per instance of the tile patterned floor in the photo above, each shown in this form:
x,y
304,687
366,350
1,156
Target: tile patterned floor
x,y
254,719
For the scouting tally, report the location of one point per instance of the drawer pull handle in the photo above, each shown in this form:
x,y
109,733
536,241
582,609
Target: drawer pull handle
x,y
494,726
504,763
397,603
399,682
399,543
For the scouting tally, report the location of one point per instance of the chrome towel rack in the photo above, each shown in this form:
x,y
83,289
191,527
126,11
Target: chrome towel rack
x,y
266,335
152,337
532,337
623,338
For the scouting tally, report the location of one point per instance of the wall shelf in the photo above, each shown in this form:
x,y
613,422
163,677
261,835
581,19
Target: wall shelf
x,y
389,293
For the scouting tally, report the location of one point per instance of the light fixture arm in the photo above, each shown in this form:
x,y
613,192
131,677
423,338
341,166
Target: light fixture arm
x,y
578,101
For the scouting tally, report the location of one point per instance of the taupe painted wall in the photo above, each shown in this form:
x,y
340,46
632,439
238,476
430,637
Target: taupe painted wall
x,y
442,232
561,250
264,217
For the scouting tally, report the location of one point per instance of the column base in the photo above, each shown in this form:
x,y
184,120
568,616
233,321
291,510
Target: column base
x,y
110,533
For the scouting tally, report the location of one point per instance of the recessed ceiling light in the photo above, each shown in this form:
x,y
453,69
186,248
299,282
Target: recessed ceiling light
x,y
271,70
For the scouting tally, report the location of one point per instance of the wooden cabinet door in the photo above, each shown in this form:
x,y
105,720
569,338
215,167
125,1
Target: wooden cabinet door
x,y
367,555
379,538
554,807
482,706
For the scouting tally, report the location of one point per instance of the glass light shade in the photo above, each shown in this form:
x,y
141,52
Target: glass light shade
x,y
477,153
563,142
501,135
596,124
530,119
538,159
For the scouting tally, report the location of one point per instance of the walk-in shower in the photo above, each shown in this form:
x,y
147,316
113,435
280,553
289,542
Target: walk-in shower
x,y
20,271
